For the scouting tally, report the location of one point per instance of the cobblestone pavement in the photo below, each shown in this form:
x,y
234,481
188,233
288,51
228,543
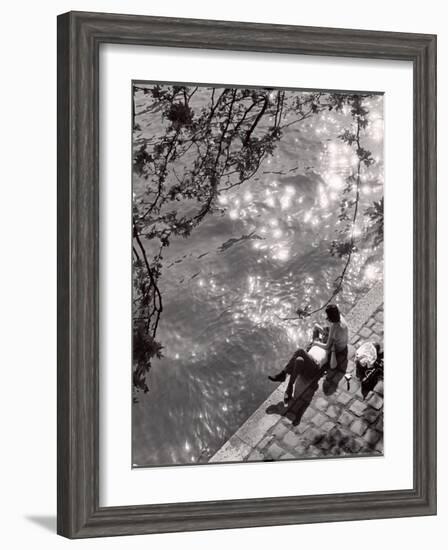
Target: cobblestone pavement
x,y
328,418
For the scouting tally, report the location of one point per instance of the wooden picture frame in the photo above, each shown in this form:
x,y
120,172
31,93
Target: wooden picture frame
x,y
79,38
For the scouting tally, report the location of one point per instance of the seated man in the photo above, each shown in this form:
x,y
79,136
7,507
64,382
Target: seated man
x,y
309,363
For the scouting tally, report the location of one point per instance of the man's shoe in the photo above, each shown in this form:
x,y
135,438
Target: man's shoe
x,y
280,377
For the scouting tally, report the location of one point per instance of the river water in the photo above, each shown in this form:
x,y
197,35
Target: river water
x,y
228,286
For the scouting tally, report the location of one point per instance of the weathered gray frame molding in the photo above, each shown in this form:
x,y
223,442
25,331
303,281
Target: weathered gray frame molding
x,y
79,38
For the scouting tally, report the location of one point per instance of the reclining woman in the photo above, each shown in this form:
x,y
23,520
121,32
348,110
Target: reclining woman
x,y
309,362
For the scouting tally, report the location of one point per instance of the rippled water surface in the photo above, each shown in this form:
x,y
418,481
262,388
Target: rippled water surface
x,y
228,286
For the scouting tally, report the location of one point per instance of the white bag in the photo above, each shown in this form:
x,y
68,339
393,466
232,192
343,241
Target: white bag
x,y
366,354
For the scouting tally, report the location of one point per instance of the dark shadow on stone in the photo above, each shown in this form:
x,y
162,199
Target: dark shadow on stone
x,y
46,522
297,408
333,377
299,404
340,442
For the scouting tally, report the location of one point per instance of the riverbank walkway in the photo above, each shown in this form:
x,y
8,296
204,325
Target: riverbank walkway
x,y
329,415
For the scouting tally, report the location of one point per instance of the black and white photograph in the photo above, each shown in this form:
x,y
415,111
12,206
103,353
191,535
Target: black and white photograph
x,y
257,274
221,275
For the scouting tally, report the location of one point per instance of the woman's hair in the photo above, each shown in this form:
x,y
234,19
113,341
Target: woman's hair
x,y
333,314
